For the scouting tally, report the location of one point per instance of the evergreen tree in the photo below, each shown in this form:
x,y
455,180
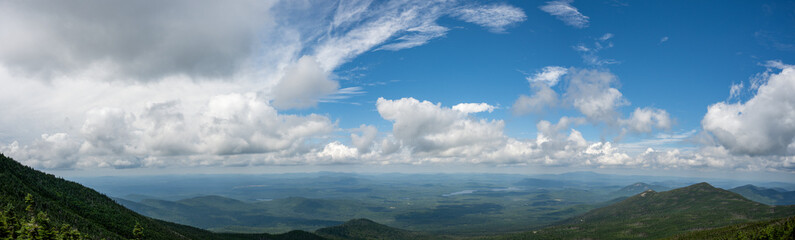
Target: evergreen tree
x,y
138,231
30,205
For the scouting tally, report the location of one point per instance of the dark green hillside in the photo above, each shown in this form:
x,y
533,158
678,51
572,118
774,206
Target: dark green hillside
x,y
662,214
783,228
766,195
361,229
93,214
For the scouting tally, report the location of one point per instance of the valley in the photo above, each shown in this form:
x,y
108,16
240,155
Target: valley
x,y
449,204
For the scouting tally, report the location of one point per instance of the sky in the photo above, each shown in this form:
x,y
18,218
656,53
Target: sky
x,y
676,87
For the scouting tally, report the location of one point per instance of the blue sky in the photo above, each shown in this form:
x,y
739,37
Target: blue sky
x,y
636,86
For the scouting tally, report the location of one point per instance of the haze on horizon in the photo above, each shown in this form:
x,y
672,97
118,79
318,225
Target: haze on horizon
x,y
634,87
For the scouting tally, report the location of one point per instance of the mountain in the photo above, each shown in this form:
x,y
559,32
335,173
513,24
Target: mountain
x,y
362,229
653,214
766,195
93,214
637,188
545,183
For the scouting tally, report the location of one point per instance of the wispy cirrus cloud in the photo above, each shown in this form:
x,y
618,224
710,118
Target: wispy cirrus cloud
x,y
495,17
567,13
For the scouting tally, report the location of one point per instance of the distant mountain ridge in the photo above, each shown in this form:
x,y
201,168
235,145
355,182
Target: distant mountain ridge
x,y
652,214
649,214
639,187
766,195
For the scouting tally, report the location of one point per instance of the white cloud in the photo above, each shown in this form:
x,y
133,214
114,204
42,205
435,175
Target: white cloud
x,y
377,27
230,124
735,90
106,132
337,151
416,36
604,154
429,128
142,84
549,75
664,39
642,120
494,17
606,37
303,85
242,123
543,97
473,107
434,134
57,150
590,54
567,13
364,141
591,92
763,125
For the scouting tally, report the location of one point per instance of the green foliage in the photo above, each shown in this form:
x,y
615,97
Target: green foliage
x,y
138,232
661,214
72,206
361,229
783,228
37,227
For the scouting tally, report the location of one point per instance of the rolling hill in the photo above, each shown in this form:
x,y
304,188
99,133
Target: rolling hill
x,y
766,195
783,228
362,229
662,214
93,214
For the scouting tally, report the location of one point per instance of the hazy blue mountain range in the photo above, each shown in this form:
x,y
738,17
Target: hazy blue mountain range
x,y
485,209
770,196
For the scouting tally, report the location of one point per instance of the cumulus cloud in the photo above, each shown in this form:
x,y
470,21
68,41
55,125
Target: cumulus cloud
x,y
429,132
644,119
57,151
567,13
150,84
230,124
543,97
106,131
243,123
364,141
430,128
337,152
473,107
592,93
763,125
303,85
494,17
